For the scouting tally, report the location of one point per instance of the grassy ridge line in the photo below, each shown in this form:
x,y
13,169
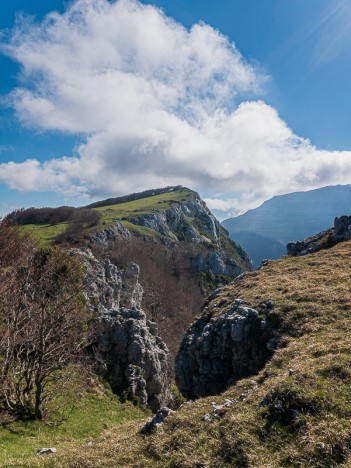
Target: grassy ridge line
x,y
296,412
45,233
135,196
143,206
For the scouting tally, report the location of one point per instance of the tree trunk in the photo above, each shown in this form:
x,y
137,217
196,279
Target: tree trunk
x,y
38,411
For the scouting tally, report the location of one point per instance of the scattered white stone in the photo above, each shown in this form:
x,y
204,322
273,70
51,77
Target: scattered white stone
x,y
46,451
206,418
218,407
228,402
156,421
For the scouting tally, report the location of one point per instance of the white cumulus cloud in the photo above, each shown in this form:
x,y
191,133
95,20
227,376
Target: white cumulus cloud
x,y
156,105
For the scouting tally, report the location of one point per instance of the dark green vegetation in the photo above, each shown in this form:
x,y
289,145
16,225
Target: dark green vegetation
x,y
134,196
288,218
296,412
55,225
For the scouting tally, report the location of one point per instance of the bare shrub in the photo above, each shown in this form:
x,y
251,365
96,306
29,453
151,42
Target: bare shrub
x,y
82,219
43,325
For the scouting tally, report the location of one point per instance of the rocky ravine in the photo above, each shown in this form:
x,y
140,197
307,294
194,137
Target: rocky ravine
x,y
218,350
131,356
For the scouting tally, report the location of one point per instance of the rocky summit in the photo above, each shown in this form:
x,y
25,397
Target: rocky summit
x,y
186,219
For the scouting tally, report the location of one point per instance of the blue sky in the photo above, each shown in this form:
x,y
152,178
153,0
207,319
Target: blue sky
x,y
271,116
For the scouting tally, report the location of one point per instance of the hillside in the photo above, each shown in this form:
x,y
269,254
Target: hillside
x,y
181,249
289,217
110,210
295,412
172,214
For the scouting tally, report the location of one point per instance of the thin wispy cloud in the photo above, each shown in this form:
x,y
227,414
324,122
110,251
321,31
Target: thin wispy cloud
x,y
6,148
156,104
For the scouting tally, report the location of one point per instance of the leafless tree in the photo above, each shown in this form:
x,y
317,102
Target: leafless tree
x,y
43,324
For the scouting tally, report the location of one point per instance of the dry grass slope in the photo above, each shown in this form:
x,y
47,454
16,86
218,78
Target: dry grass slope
x,y
296,412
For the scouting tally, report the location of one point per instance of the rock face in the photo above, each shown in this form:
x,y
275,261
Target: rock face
x,y
136,359
159,418
176,222
339,233
218,350
107,287
132,357
192,221
216,264
110,234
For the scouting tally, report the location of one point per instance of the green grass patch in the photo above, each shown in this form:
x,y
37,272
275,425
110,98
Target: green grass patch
x,y
140,230
127,210
44,234
94,413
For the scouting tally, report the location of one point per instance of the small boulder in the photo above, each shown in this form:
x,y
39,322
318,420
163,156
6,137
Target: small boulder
x,y
206,418
156,421
46,451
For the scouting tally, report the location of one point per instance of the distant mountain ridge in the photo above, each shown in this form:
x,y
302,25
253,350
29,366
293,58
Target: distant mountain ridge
x,y
289,217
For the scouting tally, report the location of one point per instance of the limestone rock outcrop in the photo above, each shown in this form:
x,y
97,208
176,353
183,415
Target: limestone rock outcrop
x,y
176,222
218,350
191,221
136,359
339,233
217,264
159,418
130,355
110,234
106,286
